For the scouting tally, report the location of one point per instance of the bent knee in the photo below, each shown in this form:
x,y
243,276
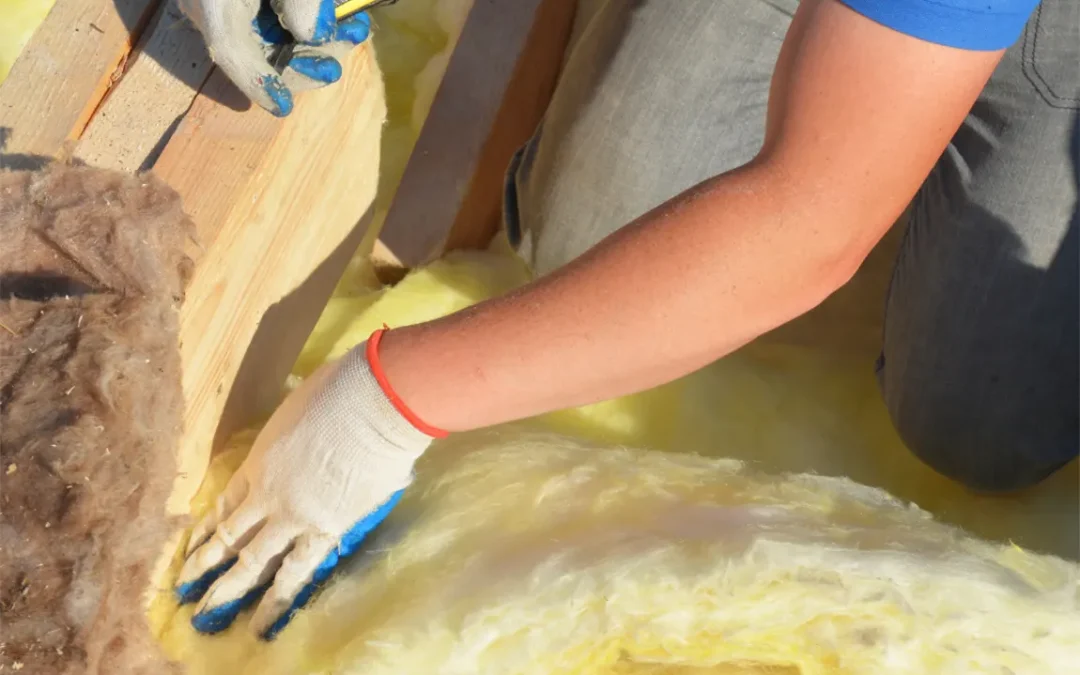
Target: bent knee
x,y
986,448
977,463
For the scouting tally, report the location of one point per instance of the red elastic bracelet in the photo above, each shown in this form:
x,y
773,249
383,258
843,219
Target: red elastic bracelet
x,y
372,353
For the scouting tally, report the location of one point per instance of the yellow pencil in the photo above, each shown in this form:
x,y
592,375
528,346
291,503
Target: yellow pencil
x,y
346,8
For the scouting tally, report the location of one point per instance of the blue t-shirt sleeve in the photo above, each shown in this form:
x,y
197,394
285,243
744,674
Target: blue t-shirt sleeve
x,y
984,25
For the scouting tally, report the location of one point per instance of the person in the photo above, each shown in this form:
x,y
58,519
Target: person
x,y
706,171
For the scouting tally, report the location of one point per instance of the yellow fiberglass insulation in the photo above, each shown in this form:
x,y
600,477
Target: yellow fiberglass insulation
x,y
525,553
20,18
523,550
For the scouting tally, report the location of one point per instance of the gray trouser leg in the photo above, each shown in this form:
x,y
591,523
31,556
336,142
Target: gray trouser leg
x,y
979,365
656,96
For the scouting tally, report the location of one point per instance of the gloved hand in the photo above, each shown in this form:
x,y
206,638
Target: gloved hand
x,y
243,35
328,467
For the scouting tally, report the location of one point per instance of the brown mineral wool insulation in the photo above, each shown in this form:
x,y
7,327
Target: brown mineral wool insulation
x,y
92,271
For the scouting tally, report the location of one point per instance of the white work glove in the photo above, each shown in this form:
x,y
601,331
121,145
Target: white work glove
x,y
329,466
302,36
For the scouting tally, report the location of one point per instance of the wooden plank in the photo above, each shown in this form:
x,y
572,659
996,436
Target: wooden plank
x,y
162,77
63,73
272,200
494,93
280,205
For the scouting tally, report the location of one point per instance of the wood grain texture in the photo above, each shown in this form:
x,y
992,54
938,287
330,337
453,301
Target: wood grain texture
x,y
493,95
163,75
63,73
272,199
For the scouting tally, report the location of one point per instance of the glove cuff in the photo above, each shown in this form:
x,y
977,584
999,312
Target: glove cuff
x,y
373,407
371,353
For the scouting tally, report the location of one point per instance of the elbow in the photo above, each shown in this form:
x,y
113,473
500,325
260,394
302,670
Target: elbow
x,y
837,263
819,279
832,265
831,228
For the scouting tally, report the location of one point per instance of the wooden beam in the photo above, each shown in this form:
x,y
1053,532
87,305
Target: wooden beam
x,y
74,57
163,74
272,199
279,204
493,95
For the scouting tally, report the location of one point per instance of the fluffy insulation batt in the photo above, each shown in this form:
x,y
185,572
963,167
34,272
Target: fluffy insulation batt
x,y
522,553
520,550
92,270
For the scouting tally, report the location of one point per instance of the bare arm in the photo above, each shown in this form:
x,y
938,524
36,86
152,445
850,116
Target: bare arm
x,y
858,115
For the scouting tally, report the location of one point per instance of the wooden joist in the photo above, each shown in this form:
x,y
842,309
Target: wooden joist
x,y
272,199
56,84
280,205
167,68
493,95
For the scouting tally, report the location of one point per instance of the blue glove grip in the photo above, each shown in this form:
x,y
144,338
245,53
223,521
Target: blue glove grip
x,y
320,68
355,29
219,618
324,23
280,95
348,545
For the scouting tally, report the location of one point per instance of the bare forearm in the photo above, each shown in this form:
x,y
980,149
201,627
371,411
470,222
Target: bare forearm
x,y
858,114
683,286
